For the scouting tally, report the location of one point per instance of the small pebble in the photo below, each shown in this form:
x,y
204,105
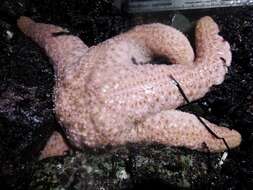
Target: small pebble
x,y
9,35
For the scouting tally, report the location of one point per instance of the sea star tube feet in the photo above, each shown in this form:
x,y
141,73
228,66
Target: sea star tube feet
x,y
103,97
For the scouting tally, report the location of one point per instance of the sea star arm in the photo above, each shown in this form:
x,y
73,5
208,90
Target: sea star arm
x,y
55,146
177,128
150,88
162,40
63,49
209,43
170,127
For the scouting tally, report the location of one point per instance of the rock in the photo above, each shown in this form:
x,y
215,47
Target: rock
x,y
128,167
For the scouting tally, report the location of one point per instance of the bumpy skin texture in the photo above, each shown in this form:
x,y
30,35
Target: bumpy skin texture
x,y
103,97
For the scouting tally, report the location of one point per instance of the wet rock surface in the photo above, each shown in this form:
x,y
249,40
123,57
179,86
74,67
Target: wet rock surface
x,y
27,118
128,167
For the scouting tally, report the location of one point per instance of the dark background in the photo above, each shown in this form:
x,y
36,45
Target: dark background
x,y
27,80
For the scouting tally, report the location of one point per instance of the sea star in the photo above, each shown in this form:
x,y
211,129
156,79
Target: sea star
x,y
103,96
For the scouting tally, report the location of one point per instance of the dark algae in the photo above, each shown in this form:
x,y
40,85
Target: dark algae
x,y
27,119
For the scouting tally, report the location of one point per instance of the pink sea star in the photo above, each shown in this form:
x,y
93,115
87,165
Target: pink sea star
x,y
102,98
